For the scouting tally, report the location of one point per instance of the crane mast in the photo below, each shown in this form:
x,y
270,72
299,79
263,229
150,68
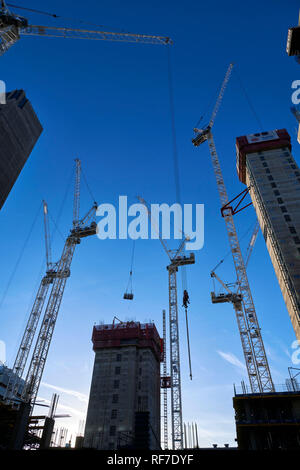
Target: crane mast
x,y
176,260
41,349
27,339
56,274
250,333
165,389
76,202
47,235
80,230
176,402
33,320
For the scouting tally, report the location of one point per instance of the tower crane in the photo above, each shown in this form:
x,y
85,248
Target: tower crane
x,y
56,275
253,348
13,26
176,260
165,384
33,320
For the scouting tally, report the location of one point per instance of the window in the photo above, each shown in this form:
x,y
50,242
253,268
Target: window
x,y
297,240
118,370
114,414
276,192
112,431
273,185
283,209
292,229
265,164
279,200
262,158
119,358
294,167
270,178
115,398
287,218
268,171
116,383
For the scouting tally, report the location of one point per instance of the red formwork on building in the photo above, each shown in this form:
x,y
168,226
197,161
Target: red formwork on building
x,y
127,334
258,143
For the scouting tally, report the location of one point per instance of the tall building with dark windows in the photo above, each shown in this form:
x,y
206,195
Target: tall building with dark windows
x,y
19,132
265,164
124,402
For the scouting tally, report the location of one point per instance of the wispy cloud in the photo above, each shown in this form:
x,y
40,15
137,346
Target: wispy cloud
x,y
71,410
63,407
74,393
232,359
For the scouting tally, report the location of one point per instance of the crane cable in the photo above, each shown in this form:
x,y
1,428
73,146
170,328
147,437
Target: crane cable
x,y
53,15
229,252
87,185
129,285
177,189
248,99
11,277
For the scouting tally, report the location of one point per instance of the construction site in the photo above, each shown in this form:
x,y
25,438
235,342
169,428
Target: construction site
x,y
179,329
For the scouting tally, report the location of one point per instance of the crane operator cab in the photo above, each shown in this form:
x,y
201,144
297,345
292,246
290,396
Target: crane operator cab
x,y
201,136
12,20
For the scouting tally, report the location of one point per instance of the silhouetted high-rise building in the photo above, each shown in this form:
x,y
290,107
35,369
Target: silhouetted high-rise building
x,y
19,131
265,164
124,403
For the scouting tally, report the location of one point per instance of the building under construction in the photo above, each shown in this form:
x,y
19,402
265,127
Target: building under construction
x,y
266,166
19,132
268,421
124,403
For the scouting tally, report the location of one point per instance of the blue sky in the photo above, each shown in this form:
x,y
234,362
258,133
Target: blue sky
x,y
108,104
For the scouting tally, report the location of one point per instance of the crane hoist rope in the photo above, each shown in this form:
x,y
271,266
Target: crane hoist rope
x,y
252,240
248,100
128,295
178,191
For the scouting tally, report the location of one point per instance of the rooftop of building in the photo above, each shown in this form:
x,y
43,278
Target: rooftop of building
x,y
129,333
289,388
